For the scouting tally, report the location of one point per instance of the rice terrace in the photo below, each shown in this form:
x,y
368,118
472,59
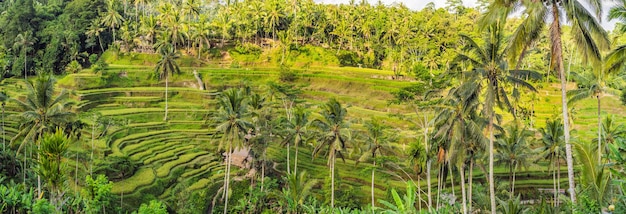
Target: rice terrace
x,y
304,106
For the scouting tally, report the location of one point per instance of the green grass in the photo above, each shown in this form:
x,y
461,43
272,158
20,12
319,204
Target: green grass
x,y
166,168
143,176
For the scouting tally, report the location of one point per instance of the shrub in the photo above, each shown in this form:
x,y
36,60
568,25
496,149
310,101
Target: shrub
x,y
154,207
73,67
287,75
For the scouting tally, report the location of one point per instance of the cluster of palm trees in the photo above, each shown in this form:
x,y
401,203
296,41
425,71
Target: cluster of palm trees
x,y
372,32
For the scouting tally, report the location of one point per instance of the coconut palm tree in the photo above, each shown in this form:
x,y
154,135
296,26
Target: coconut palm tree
x,y
111,18
233,125
553,150
296,131
167,66
95,29
490,75
591,84
460,129
335,134
379,144
513,150
23,41
588,34
41,112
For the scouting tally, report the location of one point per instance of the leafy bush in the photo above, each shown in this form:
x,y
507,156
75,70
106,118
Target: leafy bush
x,y
287,75
348,58
248,48
154,207
73,67
117,167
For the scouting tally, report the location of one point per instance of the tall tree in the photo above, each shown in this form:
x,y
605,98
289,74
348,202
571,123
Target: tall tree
x,y
513,150
95,29
335,134
41,112
553,149
24,41
379,144
166,67
588,34
233,125
296,132
491,74
111,17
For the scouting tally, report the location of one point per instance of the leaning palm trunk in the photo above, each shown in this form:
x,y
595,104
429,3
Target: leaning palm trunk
x,y
463,194
332,182
295,164
513,184
451,178
226,185
554,182
557,47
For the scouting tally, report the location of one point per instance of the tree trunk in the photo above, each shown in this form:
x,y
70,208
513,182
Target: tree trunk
x,y
492,192
288,162
100,41
463,194
554,181
263,172
93,130
373,171
25,64
469,197
558,51
295,166
599,131
451,177
513,184
558,180
430,197
3,132
332,182
166,86
226,185
419,192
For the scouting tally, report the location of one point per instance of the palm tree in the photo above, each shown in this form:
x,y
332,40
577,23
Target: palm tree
x,y
591,84
167,66
553,149
612,132
334,137
94,30
491,73
41,112
379,144
296,132
233,125
23,41
53,149
513,150
111,18
587,33
299,189
460,129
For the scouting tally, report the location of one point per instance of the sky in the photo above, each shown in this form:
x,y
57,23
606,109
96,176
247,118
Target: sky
x,y
419,4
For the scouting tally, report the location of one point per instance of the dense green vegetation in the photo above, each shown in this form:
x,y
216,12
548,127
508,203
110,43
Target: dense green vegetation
x,y
191,106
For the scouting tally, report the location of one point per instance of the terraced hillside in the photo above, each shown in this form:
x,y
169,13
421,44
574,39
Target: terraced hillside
x,y
182,150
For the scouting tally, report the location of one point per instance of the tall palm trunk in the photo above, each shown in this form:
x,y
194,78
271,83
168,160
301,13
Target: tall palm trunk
x,y
373,171
3,132
332,182
226,185
558,180
513,184
463,194
451,177
430,197
419,192
492,192
25,64
288,162
599,132
93,130
469,197
554,181
556,37
295,165
166,86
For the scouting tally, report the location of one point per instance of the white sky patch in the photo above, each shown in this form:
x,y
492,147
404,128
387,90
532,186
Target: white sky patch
x,y
420,4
